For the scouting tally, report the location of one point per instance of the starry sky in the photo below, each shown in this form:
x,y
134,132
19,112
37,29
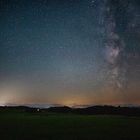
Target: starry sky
x,y
69,52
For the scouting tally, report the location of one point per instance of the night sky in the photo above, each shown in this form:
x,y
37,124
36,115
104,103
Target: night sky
x,y
69,52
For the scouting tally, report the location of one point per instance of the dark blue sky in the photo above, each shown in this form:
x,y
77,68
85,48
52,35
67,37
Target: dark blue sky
x,y
55,50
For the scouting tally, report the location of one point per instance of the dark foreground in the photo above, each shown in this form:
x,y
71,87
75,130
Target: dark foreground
x,y
36,126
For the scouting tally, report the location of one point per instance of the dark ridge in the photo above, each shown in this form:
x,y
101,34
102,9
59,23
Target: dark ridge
x,y
93,110
109,110
62,109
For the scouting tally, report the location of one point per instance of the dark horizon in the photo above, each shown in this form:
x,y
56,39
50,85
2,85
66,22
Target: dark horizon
x,y
45,105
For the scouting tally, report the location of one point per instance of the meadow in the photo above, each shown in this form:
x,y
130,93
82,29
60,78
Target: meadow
x,y
55,126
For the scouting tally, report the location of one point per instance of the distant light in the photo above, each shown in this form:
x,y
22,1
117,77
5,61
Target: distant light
x,y
2,104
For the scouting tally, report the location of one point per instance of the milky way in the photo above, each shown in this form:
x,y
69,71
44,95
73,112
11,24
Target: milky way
x,y
114,48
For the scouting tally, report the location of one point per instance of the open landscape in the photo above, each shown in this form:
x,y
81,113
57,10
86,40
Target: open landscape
x,y
20,125
69,69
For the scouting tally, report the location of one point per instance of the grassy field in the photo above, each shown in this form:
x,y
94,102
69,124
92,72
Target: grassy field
x,y
29,126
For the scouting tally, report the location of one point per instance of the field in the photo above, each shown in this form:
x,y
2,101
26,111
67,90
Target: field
x,y
35,126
